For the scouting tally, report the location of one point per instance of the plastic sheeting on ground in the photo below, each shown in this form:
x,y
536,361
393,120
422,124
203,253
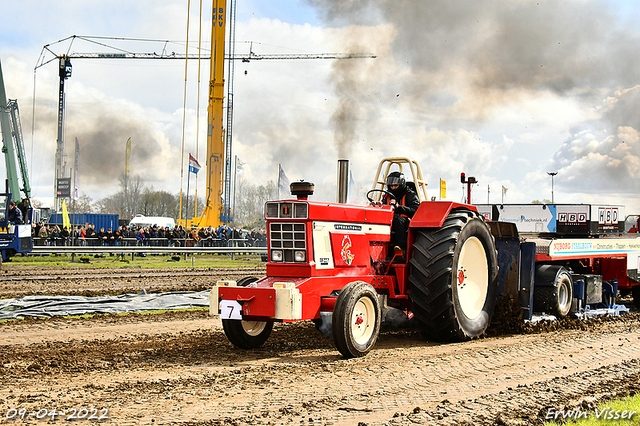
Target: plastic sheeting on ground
x,y
47,306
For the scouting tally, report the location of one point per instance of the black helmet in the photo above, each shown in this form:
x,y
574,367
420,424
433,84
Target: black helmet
x,y
396,178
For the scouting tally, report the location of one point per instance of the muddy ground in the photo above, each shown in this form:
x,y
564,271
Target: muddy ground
x,y
178,368
17,281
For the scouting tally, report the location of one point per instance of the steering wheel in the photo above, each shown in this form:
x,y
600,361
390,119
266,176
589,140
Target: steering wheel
x,y
380,190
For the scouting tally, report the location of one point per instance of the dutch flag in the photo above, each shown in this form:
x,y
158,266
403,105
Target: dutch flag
x,y
194,166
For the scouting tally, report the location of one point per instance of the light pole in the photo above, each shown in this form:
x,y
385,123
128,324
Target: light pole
x,y
552,174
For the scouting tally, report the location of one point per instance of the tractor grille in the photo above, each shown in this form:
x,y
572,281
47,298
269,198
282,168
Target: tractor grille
x,y
288,237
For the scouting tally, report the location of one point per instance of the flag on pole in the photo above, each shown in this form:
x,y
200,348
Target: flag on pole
x,y
194,166
239,165
65,215
75,172
443,189
283,181
504,190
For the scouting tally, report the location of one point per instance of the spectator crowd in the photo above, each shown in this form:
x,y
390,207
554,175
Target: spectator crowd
x,y
224,236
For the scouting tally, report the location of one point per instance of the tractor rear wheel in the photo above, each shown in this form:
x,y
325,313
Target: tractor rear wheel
x,y
247,334
356,319
453,277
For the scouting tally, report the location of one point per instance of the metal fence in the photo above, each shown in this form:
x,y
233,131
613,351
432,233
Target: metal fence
x,y
150,242
144,250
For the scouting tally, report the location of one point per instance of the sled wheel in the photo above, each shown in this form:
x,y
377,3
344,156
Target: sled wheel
x,y
556,297
453,277
356,319
247,334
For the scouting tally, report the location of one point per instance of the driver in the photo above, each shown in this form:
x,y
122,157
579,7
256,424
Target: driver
x,y
405,204
15,215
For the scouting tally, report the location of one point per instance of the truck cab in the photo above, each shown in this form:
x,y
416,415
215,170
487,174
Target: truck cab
x,y
13,238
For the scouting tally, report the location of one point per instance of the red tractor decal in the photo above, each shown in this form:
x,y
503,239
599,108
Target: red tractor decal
x,y
345,253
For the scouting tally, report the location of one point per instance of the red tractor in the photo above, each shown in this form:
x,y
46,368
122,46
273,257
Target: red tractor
x,y
338,258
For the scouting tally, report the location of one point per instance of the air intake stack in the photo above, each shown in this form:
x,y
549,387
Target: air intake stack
x,y
302,189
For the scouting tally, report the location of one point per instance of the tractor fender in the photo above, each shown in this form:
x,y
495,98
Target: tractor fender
x,y
432,214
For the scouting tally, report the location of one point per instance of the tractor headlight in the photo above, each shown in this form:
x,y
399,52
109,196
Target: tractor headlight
x,y
299,256
276,255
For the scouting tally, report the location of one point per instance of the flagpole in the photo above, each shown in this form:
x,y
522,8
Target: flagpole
x,y
73,217
235,183
194,167
279,174
75,191
186,216
195,214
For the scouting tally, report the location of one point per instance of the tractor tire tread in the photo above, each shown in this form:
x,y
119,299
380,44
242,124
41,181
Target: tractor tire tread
x,y
431,277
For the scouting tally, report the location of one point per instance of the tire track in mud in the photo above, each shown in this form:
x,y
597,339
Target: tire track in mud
x,y
187,373
101,282
124,273
372,390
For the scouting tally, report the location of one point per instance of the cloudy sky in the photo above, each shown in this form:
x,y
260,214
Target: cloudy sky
x,y
504,90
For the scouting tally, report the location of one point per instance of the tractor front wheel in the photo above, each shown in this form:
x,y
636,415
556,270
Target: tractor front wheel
x,y
453,276
247,334
356,319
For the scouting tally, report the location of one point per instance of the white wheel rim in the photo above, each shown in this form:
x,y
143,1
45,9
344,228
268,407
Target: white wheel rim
x,y
363,320
563,293
253,328
472,277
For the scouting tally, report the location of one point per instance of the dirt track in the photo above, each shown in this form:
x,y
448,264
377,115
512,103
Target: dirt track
x,y
20,281
179,368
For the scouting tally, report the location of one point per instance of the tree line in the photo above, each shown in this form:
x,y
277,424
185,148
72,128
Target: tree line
x,y
134,197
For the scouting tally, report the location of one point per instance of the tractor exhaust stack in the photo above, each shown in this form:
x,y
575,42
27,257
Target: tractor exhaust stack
x,y
343,181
